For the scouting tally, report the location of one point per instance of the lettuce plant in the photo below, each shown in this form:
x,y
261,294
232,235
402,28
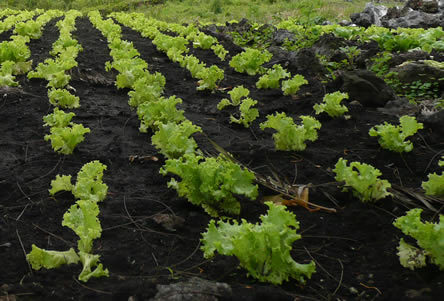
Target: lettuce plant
x,y
292,86
363,179
162,110
247,113
393,137
236,95
250,61
270,80
331,104
64,134
62,98
82,218
429,237
147,88
435,184
174,139
289,136
209,78
263,249
211,182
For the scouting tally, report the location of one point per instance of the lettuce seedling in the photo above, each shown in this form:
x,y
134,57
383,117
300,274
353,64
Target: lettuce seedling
x,y
393,137
65,139
435,184
292,86
262,249
211,182
270,80
250,61
82,218
247,113
236,95
331,104
174,139
62,98
209,78
363,179
429,237
289,136
162,110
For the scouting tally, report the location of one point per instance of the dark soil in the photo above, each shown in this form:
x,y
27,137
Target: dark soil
x,y
354,248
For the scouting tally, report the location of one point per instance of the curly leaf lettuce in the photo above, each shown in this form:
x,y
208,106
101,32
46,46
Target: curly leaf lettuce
x,y
393,137
289,136
40,258
363,179
262,249
429,236
211,183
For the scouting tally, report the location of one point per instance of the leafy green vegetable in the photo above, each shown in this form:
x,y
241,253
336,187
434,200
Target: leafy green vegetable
x,y
147,89
363,179
270,80
61,183
209,78
250,61
40,258
292,86
236,95
248,113
262,249
435,184
89,184
89,261
393,137
174,139
220,51
58,118
65,139
162,110
62,98
290,136
211,182
82,218
429,236
332,104
6,74
410,256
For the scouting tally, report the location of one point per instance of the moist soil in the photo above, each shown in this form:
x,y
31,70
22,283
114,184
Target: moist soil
x,y
354,247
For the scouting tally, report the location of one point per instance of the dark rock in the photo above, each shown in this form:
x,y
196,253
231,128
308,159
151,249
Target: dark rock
x,y
427,6
419,72
365,87
328,44
194,289
415,19
371,14
434,121
302,61
281,35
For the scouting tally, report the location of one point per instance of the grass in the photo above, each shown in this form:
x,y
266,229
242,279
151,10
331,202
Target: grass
x,y
212,11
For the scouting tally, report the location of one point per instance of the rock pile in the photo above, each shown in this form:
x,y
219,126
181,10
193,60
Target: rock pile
x,y
415,14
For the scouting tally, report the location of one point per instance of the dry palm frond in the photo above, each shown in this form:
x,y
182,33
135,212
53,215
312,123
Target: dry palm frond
x,y
410,198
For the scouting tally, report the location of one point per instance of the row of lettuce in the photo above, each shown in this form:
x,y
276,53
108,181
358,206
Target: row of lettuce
x,y
211,182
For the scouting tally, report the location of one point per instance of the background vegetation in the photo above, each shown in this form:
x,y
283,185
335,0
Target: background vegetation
x,y
214,11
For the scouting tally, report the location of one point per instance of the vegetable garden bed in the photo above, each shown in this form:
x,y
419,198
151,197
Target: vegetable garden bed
x,y
150,236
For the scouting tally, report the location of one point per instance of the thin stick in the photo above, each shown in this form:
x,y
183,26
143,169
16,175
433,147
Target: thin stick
x,y
340,279
23,249
90,288
52,234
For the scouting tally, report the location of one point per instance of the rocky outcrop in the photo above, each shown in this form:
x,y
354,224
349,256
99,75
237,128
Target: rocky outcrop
x,y
365,87
415,14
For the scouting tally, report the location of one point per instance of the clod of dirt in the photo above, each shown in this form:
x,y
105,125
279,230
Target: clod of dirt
x,y
194,289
